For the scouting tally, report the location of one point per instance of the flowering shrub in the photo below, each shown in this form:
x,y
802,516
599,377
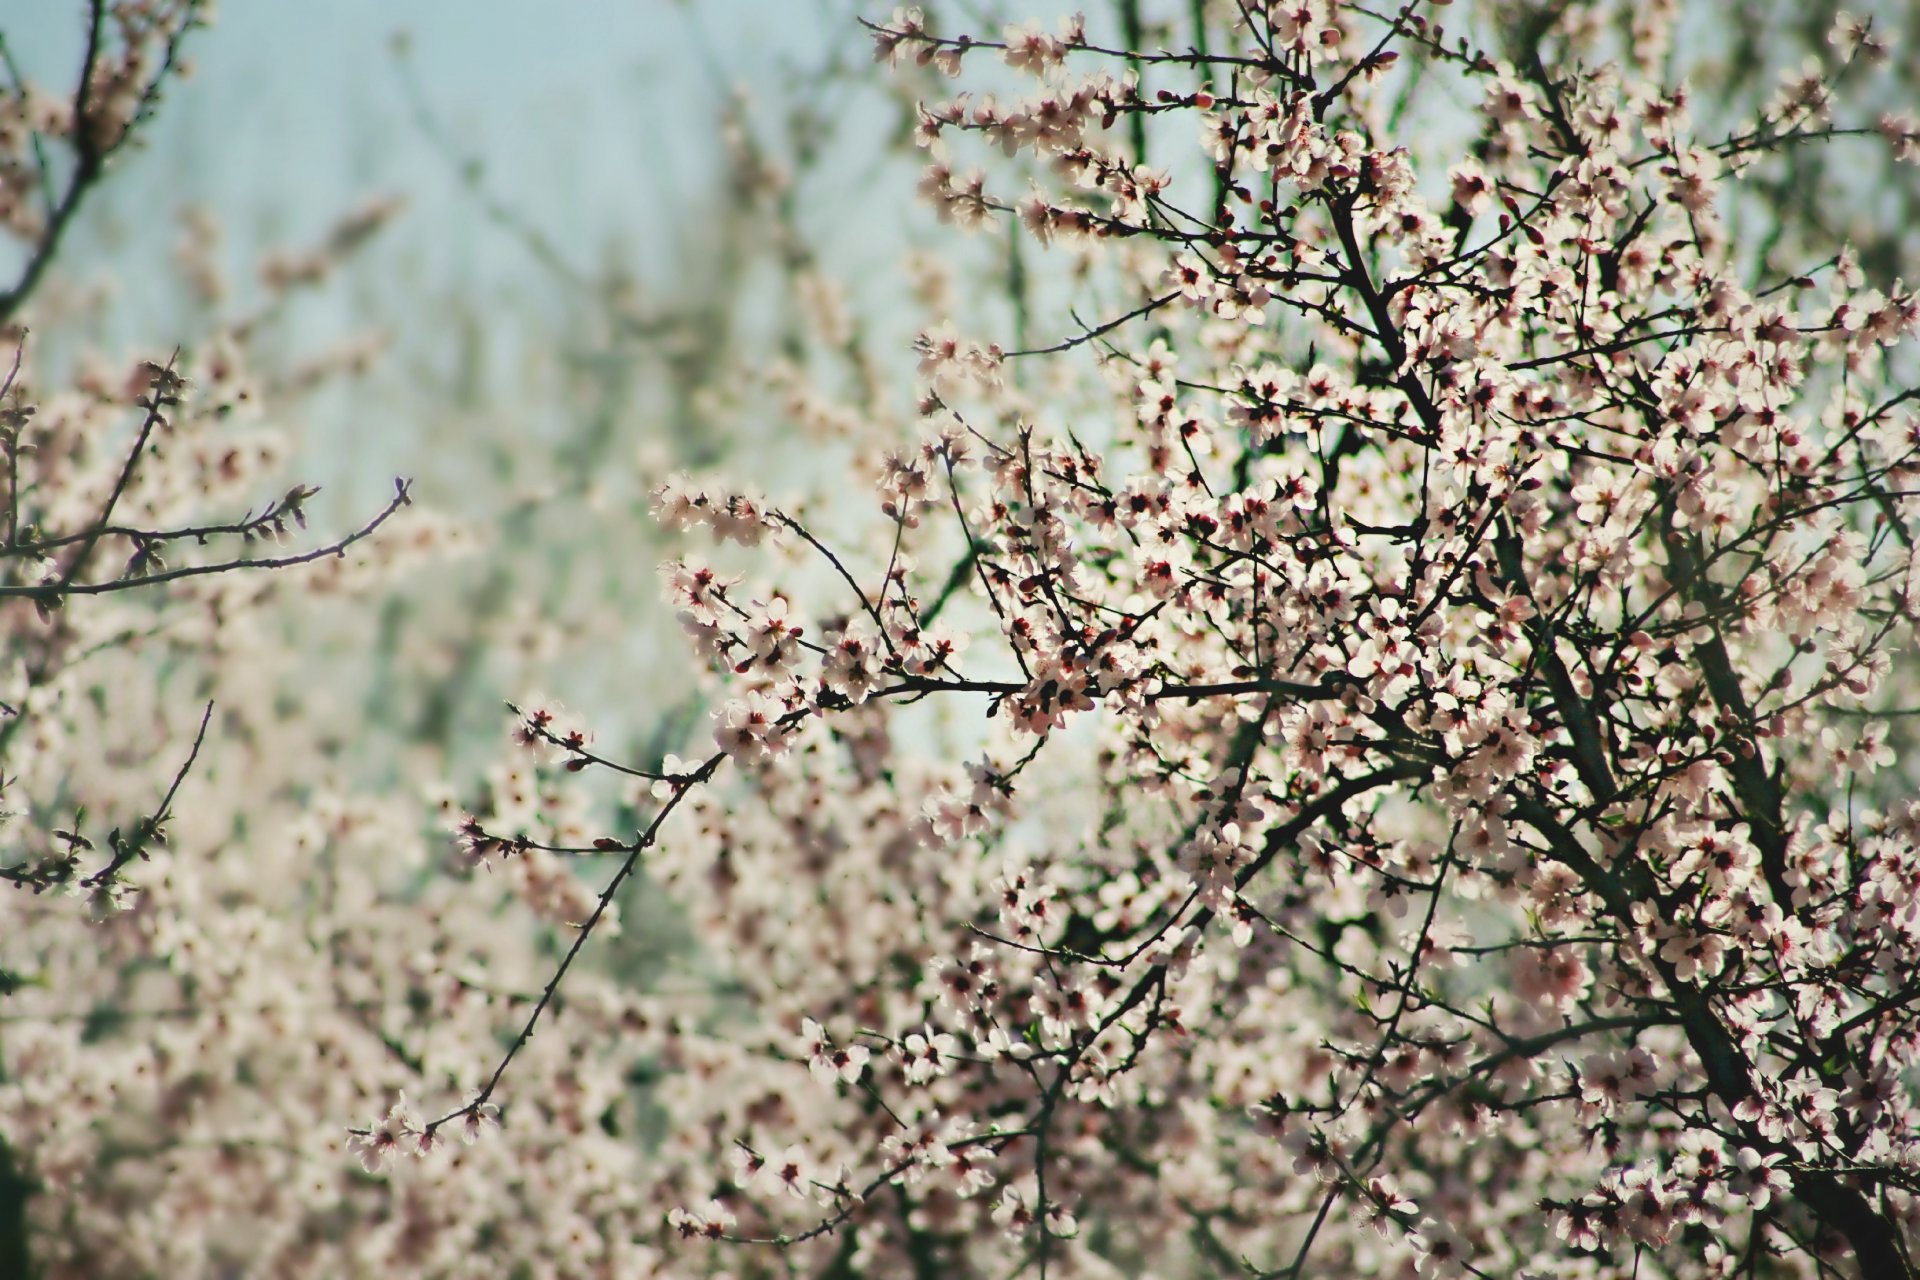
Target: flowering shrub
x,y
1431,807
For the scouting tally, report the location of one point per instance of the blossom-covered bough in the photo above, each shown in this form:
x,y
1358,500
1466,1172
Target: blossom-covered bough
x,y
1435,808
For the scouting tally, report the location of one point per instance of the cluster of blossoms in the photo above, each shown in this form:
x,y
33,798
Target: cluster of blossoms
x,y
1434,758
401,1132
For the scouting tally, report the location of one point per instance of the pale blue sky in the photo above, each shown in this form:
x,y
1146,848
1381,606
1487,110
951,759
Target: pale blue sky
x,y
594,120
589,115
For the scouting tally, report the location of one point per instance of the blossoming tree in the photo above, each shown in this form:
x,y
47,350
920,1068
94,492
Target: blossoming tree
x,y
1376,752
1430,807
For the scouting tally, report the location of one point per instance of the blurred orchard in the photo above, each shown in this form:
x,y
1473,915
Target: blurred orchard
x,y
1215,638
